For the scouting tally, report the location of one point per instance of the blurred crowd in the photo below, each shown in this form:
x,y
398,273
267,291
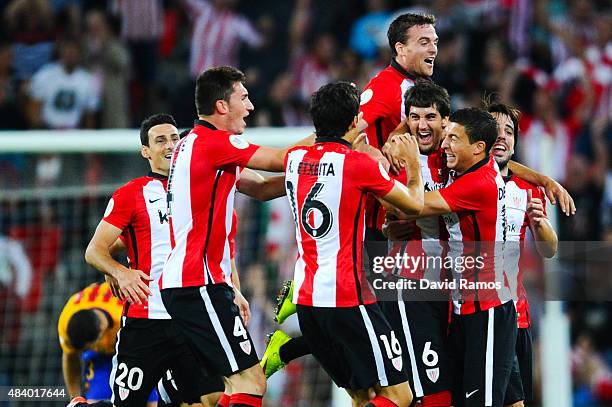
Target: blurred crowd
x,y
67,64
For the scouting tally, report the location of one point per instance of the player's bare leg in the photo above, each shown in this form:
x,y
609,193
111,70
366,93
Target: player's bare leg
x,y
399,394
250,383
519,403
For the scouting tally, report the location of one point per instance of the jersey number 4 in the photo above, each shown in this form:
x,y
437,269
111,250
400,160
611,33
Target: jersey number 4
x,y
315,217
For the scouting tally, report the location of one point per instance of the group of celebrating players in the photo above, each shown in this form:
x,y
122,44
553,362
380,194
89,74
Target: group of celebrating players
x,y
440,182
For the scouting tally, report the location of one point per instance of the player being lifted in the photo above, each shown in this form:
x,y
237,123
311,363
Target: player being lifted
x,y
326,186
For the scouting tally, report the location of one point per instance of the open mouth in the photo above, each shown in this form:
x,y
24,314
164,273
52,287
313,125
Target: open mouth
x,y
429,61
499,149
425,137
168,156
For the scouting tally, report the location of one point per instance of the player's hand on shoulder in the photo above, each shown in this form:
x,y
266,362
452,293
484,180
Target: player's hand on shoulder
x,y
133,286
556,193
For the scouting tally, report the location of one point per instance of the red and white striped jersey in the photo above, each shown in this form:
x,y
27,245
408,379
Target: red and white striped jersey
x,y
139,209
382,105
217,36
205,167
326,186
430,234
478,199
517,224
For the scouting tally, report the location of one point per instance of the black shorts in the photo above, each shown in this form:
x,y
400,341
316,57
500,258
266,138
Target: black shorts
x,y
146,349
483,348
514,391
170,394
422,328
211,324
355,345
524,354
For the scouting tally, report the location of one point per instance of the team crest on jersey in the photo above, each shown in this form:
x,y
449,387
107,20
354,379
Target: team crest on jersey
x,y
109,207
366,96
383,172
123,393
246,346
433,374
238,142
397,363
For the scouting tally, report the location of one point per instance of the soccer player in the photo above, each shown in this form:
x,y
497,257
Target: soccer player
x,y
338,315
413,43
483,327
87,330
137,214
196,285
525,209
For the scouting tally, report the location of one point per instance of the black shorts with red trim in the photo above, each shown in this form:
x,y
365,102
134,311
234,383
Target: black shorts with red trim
x,y
483,348
422,328
146,349
211,323
355,345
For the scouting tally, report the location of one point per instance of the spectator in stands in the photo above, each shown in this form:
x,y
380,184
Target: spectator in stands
x,y
109,60
141,27
63,94
29,24
368,27
218,33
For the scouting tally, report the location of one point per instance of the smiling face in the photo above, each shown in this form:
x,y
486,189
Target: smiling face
x,y
460,153
162,139
237,109
427,125
417,56
503,149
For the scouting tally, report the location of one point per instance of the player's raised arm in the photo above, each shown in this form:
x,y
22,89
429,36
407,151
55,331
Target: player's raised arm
x,y
259,187
554,191
543,232
408,198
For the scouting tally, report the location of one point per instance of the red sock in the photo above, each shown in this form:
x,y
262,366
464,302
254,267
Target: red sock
x,y
440,399
380,401
224,400
245,400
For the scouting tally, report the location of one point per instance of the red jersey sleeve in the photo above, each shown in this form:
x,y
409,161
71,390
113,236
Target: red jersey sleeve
x,y
120,207
375,103
370,175
467,193
229,149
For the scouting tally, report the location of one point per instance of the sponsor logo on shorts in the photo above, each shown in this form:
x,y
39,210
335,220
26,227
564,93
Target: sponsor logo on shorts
x,y
470,394
397,363
123,393
433,374
246,346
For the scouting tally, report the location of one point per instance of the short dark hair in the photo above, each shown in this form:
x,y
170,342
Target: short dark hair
x,y
215,84
333,108
479,125
398,30
493,104
151,121
425,93
83,328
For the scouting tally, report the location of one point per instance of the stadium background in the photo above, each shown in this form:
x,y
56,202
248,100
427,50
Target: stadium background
x,y
550,58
